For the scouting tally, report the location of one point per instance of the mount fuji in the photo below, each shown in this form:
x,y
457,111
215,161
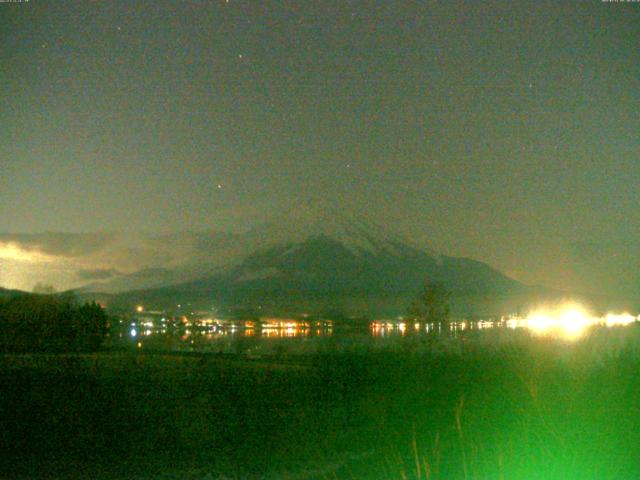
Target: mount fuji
x,y
318,259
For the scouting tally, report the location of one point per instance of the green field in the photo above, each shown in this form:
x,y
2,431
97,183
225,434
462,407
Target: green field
x,y
522,409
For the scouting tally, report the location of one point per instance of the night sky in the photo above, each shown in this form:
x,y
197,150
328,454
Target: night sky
x,y
503,131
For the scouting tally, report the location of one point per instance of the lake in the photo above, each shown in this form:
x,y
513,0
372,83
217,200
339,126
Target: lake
x,y
278,336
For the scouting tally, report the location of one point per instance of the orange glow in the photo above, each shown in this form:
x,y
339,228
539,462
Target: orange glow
x,y
570,321
12,251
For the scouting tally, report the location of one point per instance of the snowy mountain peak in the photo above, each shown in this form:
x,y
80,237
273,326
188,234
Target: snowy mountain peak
x,y
190,256
311,220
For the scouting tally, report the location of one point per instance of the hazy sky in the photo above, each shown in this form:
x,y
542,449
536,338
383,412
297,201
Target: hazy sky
x,y
504,131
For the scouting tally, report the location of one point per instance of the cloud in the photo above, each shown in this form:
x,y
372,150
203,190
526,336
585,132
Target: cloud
x,y
98,274
58,244
147,273
13,251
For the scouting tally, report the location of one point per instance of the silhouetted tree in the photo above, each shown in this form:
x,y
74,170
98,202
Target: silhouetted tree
x,y
431,305
91,324
38,323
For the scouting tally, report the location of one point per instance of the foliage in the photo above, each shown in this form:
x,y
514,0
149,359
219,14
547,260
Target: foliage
x,y
431,305
523,410
46,323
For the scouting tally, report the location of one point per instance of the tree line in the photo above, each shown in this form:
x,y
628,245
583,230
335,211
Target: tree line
x,y
51,323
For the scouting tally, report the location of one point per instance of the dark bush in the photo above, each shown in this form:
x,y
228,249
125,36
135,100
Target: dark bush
x,y
47,323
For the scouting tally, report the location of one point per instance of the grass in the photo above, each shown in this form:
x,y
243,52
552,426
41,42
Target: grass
x,y
523,409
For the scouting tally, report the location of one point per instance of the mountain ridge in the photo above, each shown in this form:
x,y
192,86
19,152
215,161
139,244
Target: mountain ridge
x,y
320,275
219,251
311,258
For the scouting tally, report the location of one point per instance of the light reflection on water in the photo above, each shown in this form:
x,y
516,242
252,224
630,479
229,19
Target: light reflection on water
x,y
239,337
569,321
566,322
